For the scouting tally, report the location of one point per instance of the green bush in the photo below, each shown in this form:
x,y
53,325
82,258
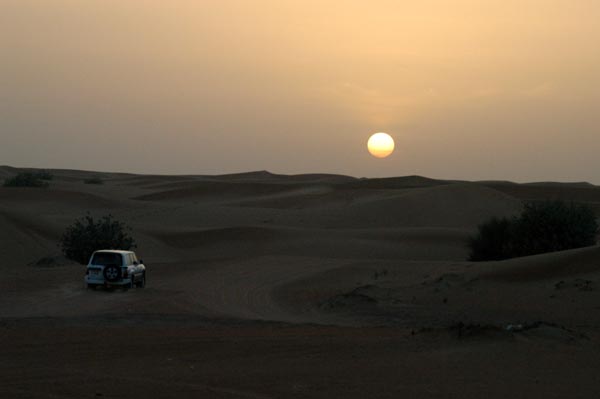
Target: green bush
x,y
86,235
542,227
25,179
94,180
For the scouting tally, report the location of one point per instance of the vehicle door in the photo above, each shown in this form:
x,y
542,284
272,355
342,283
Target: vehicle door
x,y
137,267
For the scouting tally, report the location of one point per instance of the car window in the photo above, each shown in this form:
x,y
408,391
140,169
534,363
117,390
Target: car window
x,y
106,258
134,258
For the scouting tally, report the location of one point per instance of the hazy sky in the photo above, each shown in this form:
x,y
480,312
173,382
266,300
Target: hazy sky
x,y
497,89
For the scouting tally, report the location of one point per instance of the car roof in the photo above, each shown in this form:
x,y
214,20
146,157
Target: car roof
x,y
114,251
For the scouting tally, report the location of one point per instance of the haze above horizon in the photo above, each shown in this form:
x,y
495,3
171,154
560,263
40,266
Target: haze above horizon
x,y
505,90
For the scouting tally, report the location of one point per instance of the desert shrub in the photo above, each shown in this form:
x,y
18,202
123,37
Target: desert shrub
x,y
87,235
94,180
555,226
493,240
25,179
541,227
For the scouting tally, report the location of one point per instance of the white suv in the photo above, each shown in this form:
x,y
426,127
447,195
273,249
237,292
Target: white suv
x,y
111,267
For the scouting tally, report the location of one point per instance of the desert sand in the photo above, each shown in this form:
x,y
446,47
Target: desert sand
x,y
274,286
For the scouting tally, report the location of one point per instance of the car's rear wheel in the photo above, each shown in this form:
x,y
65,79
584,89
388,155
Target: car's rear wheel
x,y
127,286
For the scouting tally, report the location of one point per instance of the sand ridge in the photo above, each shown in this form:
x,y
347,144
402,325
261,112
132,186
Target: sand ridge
x,y
275,275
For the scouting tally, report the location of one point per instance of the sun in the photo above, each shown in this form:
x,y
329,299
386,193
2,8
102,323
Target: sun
x,y
381,145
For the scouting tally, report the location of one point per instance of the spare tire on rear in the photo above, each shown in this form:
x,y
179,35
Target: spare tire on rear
x,y
112,273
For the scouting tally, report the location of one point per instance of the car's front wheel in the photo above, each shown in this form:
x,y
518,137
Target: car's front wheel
x,y
142,282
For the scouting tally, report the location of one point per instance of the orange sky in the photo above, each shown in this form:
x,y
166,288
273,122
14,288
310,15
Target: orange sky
x,y
468,89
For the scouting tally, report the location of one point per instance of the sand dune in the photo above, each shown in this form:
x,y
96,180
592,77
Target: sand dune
x,y
399,182
25,238
578,192
215,189
404,243
264,175
262,270
457,206
545,266
56,197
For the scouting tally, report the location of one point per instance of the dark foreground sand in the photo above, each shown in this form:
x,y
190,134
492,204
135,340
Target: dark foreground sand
x,y
267,286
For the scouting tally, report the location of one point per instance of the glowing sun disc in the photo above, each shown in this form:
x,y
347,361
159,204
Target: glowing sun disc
x,y
381,145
